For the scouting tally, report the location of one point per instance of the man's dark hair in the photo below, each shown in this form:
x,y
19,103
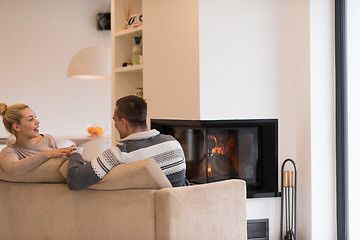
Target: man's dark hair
x,y
133,109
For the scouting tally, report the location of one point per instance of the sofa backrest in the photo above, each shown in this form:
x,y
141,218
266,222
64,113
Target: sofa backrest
x,y
47,172
142,174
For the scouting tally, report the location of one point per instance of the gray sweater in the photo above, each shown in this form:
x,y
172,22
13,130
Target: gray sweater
x,y
164,149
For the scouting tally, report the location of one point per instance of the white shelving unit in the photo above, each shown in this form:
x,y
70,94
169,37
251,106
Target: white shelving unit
x,y
135,68
128,31
125,80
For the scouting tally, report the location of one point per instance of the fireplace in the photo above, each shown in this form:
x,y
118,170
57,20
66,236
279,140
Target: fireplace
x,y
217,150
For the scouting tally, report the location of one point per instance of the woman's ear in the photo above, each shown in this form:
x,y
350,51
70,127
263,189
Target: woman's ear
x,y
16,127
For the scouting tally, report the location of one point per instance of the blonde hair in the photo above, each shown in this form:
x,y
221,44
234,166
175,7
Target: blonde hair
x,y
11,114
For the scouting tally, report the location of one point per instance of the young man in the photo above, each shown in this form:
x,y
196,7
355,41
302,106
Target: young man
x,y
136,143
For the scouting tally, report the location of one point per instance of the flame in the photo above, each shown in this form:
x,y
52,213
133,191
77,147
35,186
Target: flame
x,y
209,171
219,146
218,149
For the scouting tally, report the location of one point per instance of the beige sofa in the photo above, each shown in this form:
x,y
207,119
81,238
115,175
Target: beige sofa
x,y
134,201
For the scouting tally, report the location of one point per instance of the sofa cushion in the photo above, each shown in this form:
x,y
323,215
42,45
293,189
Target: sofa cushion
x,y
39,211
48,172
142,174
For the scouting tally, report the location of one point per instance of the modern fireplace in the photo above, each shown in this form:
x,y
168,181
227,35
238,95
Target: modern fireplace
x,y
216,150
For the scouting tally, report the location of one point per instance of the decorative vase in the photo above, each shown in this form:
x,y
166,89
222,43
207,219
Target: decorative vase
x,y
139,92
136,50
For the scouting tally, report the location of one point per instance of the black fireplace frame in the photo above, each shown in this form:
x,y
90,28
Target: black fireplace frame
x,y
268,145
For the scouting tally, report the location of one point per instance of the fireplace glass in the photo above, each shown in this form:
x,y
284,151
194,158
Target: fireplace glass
x,y
219,154
231,149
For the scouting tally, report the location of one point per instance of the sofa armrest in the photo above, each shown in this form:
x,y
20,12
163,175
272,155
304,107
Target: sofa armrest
x,y
207,211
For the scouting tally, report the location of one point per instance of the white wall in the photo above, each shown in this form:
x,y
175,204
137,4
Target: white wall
x,y
353,37
274,59
315,117
38,40
322,96
246,72
301,38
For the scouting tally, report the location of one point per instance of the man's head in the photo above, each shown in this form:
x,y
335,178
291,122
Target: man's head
x,y
130,115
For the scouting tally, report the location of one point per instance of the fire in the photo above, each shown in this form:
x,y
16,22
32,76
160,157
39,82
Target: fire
x,y
209,171
218,148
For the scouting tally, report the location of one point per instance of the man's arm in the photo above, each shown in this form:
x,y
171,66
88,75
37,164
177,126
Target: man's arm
x,y
80,175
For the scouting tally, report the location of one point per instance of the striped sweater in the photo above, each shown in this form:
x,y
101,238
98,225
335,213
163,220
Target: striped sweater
x,y
164,149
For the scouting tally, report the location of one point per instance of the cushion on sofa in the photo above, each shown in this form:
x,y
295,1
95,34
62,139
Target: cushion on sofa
x,y
48,172
142,174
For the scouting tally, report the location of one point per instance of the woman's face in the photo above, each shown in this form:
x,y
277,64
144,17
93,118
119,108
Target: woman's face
x,y
29,125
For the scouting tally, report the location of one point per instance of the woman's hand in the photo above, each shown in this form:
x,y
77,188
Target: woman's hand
x,y
59,152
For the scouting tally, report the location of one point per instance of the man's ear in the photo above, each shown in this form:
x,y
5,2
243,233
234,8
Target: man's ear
x,y
123,122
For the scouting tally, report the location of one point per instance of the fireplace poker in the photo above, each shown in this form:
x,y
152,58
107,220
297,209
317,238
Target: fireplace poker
x,y
288,206
286,186
292,203
288,201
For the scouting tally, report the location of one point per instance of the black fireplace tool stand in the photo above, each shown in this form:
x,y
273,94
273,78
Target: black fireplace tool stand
x,y
288,202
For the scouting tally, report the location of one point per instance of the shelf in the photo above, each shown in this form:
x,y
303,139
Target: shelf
x,y
3,141
125,80
81,139
128,31
134,68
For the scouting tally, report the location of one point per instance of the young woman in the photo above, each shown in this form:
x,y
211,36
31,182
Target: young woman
x,y
30,149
